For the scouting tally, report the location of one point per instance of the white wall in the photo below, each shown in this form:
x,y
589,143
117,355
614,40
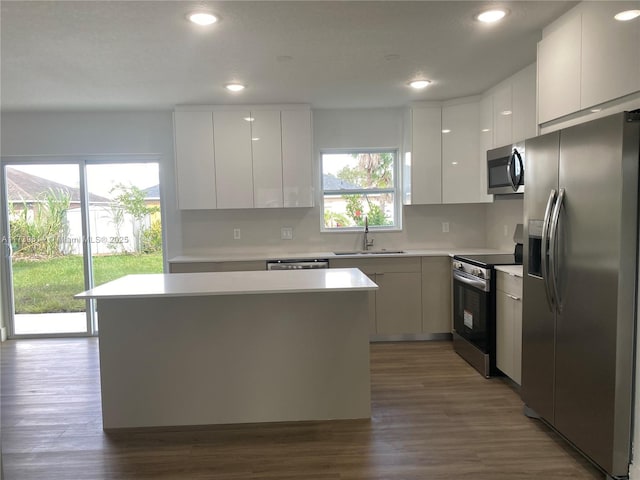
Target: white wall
x,y
503,212
100,133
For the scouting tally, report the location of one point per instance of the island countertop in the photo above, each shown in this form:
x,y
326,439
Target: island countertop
x,y
232,283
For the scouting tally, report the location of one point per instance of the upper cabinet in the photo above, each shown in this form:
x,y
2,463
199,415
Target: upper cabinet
x,y
195,172
243,157
423,157
508,110
610,60
587,58
296,158
559,71
441,161
461,168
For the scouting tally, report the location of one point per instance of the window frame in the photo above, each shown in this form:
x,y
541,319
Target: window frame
x,y
396,190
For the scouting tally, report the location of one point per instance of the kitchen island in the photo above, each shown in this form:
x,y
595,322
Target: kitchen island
x,y
233,347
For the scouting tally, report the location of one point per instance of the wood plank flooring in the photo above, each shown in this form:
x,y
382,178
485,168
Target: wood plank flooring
x,y
434,418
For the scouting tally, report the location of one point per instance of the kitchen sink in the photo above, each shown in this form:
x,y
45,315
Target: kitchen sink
x,y
370,252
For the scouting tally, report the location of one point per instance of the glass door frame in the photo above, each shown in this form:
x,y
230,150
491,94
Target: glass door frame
x,y
82,161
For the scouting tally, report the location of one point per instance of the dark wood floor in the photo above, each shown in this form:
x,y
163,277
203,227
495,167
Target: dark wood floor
x,y
434,418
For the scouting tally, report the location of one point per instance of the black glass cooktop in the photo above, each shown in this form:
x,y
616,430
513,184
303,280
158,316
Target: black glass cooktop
x,y
488,261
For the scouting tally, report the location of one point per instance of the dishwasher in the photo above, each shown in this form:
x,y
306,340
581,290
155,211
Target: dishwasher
x,y
297,264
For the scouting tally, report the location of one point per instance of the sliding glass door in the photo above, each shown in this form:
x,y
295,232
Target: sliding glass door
x,y
72,226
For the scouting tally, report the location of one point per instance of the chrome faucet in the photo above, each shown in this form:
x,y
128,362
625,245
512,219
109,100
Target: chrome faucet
x,y
366,243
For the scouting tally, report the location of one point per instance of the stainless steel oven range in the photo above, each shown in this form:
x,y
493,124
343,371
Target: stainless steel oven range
x,y
474,308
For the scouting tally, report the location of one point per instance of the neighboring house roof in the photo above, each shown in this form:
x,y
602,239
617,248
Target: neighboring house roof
x,y
24,187
331,182
152,193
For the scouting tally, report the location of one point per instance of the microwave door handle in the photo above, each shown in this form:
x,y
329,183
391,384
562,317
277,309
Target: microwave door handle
x,y
544,253
510,173
553,245
519,179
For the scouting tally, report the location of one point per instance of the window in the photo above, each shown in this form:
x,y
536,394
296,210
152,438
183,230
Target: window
x,y
359,184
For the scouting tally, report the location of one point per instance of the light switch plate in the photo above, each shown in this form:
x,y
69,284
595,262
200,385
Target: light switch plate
x,y
286,233
236,234
445,227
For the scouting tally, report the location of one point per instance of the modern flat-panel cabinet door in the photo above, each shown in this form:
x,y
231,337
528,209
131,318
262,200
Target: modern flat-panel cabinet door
x,y
523,102
195,166
296,158
234,167
460,143
559,71
610,53
266,146
426,156
398,303
502,115
436,295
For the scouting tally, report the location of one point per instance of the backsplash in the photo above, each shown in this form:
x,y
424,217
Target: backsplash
x,y
503,212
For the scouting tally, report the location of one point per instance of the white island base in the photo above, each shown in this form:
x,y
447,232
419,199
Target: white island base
x,y
175,358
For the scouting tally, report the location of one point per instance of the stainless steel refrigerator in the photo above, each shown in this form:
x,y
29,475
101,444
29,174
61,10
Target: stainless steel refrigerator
x,y
580,285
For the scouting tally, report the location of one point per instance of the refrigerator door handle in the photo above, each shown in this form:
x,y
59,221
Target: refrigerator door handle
x,y
544,253
553,244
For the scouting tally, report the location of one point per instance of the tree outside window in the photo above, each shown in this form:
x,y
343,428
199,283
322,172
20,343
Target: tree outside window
x,y
359,184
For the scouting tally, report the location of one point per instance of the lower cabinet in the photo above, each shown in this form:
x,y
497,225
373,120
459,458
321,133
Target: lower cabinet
x,y
395,308
436,295
229,266
509,325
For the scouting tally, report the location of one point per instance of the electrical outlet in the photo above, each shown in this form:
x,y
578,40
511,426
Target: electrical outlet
x,y
286,233
445,227
236,234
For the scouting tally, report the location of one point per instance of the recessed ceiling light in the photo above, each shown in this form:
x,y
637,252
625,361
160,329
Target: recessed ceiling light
x,y
491,16
419,84
446,130
202,18
506,112
627,15
454,163
234,87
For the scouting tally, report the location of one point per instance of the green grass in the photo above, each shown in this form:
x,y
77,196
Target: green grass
x,y
48,286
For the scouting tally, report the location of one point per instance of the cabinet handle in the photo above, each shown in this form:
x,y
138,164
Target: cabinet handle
x,y
513,297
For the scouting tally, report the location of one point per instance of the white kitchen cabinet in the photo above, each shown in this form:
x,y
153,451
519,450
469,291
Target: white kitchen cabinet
x,y
486,143
423,164
610,54
266,153
523,104
243,157
436,294
509,325
296,158
502,114
461,170
559,63
234,166
396,307
195,172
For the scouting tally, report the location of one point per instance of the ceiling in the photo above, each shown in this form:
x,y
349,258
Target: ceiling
x,y
145,55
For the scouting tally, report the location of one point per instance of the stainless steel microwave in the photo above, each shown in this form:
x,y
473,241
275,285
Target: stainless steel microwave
x,y
505,169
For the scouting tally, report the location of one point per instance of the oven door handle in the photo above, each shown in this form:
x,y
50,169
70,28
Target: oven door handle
x,y
476,283
544,252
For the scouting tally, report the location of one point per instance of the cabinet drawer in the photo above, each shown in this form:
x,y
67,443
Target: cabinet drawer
x,y
509,284
379,264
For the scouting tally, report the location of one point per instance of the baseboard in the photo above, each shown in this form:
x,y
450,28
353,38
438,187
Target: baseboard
x,y
3,334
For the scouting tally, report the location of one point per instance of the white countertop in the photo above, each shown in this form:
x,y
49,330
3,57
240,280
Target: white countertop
x,y
252,256
232,283
510,269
